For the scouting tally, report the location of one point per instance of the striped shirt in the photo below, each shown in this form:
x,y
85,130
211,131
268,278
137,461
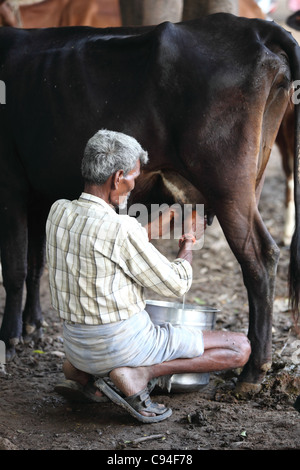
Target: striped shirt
x,y
99,263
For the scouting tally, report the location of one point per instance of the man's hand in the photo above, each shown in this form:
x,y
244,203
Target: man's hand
x,y
162,226
194,224
172,218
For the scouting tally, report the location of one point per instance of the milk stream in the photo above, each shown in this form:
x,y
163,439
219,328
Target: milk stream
x,y
183,303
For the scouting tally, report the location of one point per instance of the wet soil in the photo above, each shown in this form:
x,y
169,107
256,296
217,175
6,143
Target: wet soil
x,y
34,417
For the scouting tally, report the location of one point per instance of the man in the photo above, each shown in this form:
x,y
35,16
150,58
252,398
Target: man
x,y
99,264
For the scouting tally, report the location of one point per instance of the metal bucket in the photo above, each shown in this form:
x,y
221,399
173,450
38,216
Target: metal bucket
x,y
197,316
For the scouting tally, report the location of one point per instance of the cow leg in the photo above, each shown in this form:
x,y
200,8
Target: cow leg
x,y
13,247
258,256
285,143
32,314
289,223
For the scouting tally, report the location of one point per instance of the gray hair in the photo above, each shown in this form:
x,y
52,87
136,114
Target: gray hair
x,y
107,152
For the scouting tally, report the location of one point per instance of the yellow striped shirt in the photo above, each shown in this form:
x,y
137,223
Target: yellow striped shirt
x,y
100,262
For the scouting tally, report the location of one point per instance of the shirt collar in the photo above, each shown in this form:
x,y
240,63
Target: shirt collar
x,y
97,200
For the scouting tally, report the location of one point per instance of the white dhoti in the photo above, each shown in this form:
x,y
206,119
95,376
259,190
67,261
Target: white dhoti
x,y
98,349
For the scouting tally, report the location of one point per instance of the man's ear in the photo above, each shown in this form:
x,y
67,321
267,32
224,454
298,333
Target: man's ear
x,y
116,179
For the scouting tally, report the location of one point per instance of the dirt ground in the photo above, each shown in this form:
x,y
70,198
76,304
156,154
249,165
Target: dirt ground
x,y
34,417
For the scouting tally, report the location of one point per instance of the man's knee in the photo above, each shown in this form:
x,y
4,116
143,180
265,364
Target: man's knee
x,y
244,349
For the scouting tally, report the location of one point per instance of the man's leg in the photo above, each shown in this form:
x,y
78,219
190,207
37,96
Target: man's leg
x,y
222,350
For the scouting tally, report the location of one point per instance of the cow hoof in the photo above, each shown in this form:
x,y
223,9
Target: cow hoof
x,y
265,367
10,354
2,370
10,349
32,333
243,388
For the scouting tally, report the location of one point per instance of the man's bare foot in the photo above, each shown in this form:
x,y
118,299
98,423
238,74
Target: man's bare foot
x,y
71,373
79,376
132,380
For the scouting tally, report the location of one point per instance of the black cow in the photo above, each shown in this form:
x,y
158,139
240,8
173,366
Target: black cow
x,y
204,97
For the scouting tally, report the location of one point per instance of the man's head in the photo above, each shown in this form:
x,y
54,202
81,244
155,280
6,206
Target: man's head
x,y
113,157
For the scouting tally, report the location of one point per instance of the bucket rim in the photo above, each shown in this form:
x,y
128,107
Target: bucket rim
x,y
179,306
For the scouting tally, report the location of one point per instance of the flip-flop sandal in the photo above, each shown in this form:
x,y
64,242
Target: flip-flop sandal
x,y
136,403
75,392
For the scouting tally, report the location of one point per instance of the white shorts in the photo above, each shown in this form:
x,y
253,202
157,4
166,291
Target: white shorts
x,y
98,349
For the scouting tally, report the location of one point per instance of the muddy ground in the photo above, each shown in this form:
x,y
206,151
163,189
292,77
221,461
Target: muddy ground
x,y
34,417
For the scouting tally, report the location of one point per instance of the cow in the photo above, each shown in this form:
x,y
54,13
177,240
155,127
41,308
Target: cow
x,y
204,97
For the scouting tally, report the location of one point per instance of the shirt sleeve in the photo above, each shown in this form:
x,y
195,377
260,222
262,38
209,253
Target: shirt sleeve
x,y
149,268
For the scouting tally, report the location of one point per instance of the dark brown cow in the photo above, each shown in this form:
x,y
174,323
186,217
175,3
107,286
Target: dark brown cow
x,y
205,98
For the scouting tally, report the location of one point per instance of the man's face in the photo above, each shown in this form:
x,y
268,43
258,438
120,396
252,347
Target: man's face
x,y
125,186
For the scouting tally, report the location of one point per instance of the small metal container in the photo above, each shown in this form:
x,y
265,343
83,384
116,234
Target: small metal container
x,y
197,316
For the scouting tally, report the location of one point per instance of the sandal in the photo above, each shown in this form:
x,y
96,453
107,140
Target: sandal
x,y
75,392
136,403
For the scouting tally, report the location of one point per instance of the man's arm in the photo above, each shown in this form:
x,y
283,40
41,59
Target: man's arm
x,y
141,261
